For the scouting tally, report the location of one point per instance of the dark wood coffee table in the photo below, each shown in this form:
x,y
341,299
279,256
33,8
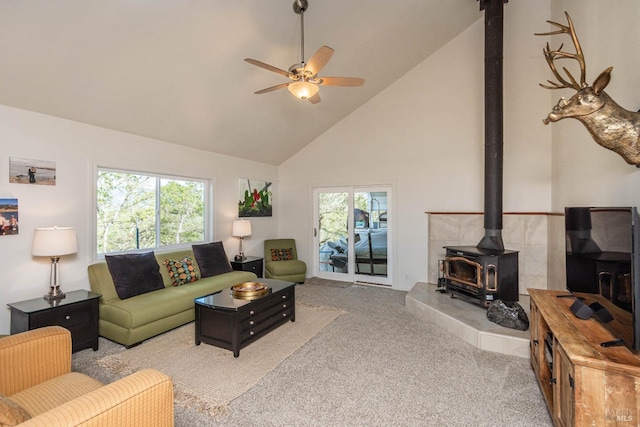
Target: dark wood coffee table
x,y
232,323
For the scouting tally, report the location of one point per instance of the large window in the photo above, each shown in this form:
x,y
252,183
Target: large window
x,y
143,211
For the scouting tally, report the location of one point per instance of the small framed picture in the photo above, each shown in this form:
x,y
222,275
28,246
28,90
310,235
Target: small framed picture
x,y
29,171
8,217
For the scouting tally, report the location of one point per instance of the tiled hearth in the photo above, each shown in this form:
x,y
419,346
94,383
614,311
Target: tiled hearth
x,y
467,321
539,238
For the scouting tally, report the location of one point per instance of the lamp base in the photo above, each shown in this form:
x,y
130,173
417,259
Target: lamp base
x,y
239,258
54,288
54,294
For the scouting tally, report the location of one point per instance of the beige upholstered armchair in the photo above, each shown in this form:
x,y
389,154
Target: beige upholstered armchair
x,y
37,387
281,261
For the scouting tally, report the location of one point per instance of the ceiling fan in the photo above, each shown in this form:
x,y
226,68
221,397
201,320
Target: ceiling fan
x,y
304,78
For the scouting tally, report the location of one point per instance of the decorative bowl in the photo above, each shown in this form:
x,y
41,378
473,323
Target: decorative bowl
x,y
249,290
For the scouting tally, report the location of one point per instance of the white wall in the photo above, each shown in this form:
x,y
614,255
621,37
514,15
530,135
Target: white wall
x,y
425,135
584,173
76,148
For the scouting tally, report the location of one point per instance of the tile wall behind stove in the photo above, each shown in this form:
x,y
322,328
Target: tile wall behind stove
x,y
539,238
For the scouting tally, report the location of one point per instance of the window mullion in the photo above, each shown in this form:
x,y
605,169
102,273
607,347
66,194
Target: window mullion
x,y
158,240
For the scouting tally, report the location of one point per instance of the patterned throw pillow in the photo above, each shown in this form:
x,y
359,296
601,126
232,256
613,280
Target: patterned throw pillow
x,y
281,254
182,271
12,414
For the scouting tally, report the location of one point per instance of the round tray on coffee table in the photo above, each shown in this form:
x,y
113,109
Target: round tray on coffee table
x,y
249,290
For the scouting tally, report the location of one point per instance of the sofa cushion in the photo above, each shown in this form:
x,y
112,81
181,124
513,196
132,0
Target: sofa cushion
x,y
281,254
134,274
11,413
210,285
144,309
181,271
147,308
211,259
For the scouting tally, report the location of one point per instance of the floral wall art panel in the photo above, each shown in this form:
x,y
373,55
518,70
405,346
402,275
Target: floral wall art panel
x,y
256,198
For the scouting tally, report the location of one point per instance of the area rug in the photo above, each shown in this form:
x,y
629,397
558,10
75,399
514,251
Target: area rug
x,y
326,282
208,378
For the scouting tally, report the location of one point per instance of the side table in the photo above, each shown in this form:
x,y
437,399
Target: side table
x,y
77,311
253,264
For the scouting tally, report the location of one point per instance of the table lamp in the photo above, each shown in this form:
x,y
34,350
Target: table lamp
x,y
54,242
241,229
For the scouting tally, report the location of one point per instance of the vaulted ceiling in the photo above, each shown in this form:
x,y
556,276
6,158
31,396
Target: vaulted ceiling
x,y
173,69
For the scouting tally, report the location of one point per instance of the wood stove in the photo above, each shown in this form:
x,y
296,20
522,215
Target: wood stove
x,y
487,272
481,275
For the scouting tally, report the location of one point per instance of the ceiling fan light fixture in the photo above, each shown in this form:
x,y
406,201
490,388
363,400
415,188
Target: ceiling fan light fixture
x,y
304,76
303,89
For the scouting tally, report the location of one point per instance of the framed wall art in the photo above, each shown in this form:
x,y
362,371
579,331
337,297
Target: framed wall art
x,y
29,171
256,198
8,217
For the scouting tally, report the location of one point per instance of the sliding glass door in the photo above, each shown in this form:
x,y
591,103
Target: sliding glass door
x,y
351,234
331,233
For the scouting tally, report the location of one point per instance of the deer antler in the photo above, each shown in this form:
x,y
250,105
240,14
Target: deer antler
x,y
552,55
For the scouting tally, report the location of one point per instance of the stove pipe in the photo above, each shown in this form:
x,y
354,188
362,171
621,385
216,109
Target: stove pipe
x,y
493,124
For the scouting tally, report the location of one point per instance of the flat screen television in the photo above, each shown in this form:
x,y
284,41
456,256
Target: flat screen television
x,y
603,265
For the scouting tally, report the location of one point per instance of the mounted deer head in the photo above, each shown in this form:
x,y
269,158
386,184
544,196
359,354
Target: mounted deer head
x,y
610,125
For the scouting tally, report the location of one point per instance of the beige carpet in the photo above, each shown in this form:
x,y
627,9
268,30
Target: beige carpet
x,y
208,378
326,282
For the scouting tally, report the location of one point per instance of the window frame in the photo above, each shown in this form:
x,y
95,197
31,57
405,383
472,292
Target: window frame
x,y
208,209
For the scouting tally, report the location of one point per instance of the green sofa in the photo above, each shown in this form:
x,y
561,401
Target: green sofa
x,y
133,320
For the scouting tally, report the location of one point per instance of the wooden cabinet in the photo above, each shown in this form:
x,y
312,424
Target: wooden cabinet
x,y
251,263
540,355
583,383
233,323
563,398
77,311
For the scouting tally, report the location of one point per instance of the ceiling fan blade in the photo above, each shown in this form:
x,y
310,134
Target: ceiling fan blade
x,y
319,60
272,88
267,67
315,98
341,81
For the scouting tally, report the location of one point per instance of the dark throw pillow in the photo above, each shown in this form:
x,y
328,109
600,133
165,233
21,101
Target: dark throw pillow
x,y
182,271
281,254
134,274
211,259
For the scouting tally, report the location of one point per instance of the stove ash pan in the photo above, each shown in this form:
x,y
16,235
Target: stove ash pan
x,y
480,275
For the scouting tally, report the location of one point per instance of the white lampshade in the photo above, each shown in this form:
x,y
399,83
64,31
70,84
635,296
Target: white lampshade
x,y
303,89
54,241
241,228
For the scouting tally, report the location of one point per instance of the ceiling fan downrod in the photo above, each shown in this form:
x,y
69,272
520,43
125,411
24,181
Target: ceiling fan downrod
x,y
299,7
